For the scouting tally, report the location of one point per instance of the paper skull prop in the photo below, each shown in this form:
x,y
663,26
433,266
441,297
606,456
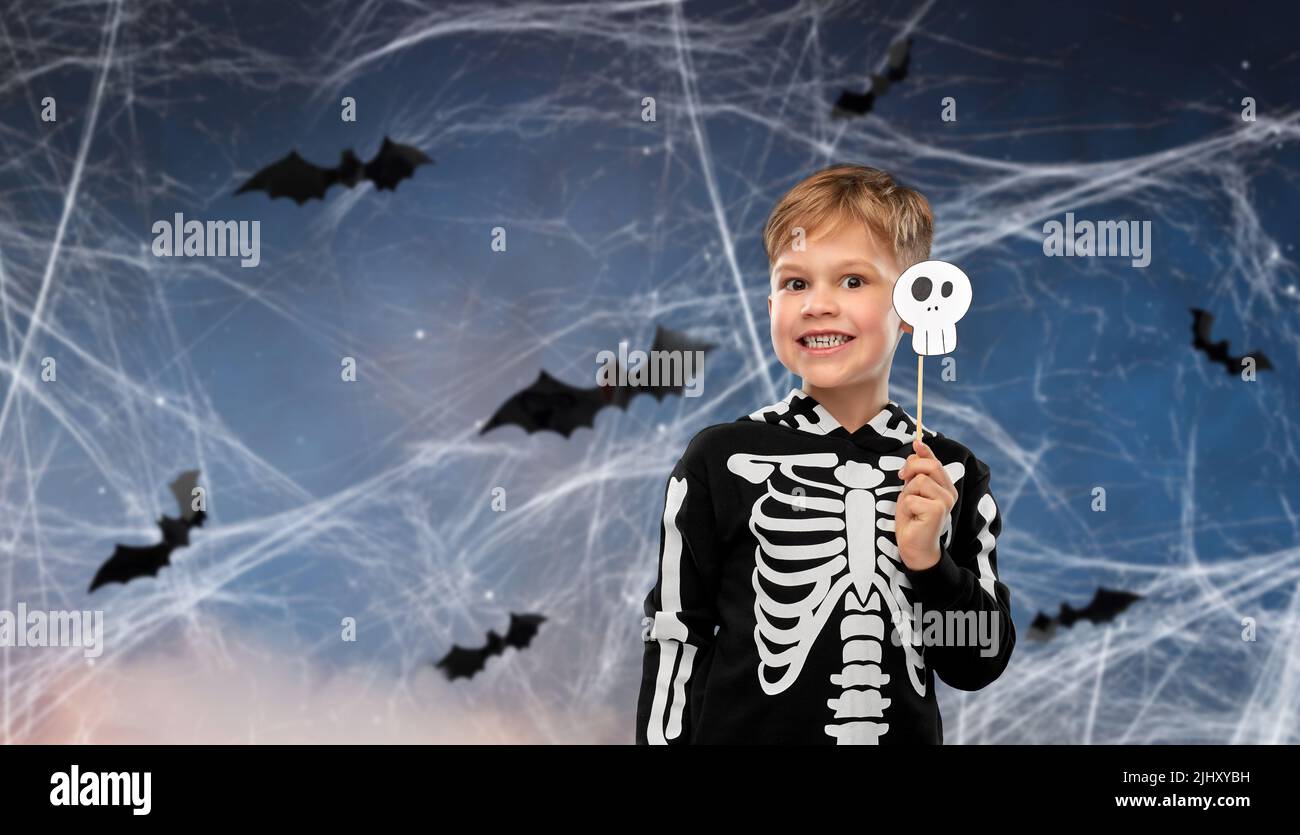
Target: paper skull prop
x,y
931,296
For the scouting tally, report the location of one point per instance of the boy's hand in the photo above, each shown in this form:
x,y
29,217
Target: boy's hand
x,y
926,500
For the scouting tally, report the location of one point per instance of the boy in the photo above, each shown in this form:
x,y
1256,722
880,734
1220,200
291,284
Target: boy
x,y
805,557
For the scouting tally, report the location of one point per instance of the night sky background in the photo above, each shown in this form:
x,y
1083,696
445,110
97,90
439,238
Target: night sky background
x,y
373,499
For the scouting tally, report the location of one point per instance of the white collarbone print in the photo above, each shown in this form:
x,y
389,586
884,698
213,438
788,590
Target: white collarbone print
x,y
825,533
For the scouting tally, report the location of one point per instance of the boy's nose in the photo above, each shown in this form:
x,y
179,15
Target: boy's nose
x,y
819,301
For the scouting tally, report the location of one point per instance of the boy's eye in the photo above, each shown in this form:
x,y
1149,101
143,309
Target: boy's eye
x,y
789,282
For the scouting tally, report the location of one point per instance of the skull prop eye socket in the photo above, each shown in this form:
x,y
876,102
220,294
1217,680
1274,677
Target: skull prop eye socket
x,y
947,289
921,288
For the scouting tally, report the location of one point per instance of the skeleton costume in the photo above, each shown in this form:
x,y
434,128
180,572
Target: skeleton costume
x,y
782,612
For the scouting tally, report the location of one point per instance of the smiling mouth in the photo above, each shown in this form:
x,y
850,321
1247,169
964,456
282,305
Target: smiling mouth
x,y
824,344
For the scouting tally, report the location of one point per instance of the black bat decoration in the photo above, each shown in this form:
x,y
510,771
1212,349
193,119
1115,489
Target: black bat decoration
x,y
131,561
1106,605
300,180
464,663
551,404
859,104
1202,324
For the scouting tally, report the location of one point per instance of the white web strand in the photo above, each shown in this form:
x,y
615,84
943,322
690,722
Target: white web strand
x,y
406,541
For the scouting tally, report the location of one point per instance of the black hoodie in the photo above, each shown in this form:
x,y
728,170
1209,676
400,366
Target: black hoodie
x,y
782,612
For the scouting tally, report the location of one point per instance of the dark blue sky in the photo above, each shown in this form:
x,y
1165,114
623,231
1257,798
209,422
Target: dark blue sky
x,y
372,500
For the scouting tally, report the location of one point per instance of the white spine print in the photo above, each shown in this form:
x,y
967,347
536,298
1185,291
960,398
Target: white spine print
x,y
862,629
861,702
851,560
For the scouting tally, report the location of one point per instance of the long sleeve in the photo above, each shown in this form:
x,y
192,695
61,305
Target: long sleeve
x,y
965,582
680,613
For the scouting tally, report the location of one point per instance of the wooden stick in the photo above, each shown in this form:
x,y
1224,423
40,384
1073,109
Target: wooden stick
x,y
920,375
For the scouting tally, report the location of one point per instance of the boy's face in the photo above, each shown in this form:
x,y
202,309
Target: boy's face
x,y
842,283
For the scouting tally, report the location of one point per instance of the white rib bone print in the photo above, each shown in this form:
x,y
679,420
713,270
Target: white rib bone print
x,y
846,552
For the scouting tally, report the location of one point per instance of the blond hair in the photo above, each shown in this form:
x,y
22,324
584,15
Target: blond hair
x,y
895,214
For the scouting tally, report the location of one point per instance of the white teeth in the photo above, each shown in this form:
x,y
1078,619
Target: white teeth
x,y
824,341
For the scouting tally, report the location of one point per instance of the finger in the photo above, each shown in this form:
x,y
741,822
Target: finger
x,y
928,487
921,485
914,464
933,463
914,506
939,476
910,466
932,467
